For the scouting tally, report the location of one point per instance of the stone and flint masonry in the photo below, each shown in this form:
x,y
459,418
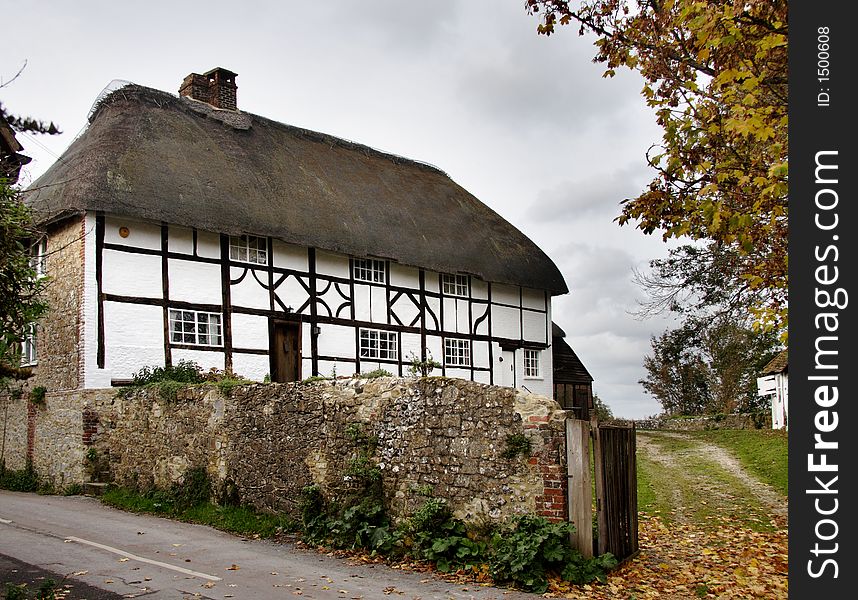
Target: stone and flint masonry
x,y
179,227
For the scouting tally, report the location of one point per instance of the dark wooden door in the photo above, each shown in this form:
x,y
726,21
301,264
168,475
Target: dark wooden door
x,y
286,352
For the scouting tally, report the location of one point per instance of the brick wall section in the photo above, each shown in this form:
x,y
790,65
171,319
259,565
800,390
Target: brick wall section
x,y
59,334
270,441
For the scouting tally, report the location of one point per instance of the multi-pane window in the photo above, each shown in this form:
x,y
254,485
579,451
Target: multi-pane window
x,y
378,344
248,248
369,269
28,348
457,352
455,285
38,253
531,363
195,327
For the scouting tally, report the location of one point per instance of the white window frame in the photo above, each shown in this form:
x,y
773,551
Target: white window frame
x,y
38,257
532,363
377,344
251,249
457,352
370,270
29,356
453,284
191,322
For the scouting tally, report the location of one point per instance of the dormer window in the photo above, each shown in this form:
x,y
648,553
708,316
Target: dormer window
x,y
369,270
454,285
248,249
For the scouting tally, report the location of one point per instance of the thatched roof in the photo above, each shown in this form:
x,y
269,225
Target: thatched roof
x,y
778,364
152,155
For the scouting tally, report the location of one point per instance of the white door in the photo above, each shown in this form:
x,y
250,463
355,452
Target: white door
x,y
507,368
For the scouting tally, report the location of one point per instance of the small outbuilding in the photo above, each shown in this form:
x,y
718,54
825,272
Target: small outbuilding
x,y
774,383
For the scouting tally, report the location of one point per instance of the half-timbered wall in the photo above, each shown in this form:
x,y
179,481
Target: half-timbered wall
x,y
136,272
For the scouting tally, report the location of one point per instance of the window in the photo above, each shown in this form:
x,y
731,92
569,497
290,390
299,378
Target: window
x,y
455,285
531,364
248,248
369,269
457,353
378,344
38,254
195,328
28,347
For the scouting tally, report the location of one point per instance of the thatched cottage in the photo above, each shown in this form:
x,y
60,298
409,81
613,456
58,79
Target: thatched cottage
x,y
180,227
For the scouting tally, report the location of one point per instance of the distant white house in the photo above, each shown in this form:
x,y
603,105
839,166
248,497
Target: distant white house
x,y
774,383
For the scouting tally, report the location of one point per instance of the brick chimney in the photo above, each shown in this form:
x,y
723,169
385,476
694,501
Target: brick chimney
x,y
216,87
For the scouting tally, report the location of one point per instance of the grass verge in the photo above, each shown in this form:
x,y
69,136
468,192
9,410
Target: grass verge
x,y
239,520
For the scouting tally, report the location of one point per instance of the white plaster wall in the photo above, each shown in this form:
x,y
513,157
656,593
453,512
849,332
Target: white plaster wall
x,y
330,368
336,340
194,282
378,305
134,337
540,385
93,377
250,366
433,304
410,345
249,293
532,299
250,332
180,240
288,256
127,274
505,294
406,310
435,346
207,359
534,326
480,354
506,322
292,293
332,299
141,234
208,244
332,264
482,377
478,312
457,372
479,289
432,285
403,276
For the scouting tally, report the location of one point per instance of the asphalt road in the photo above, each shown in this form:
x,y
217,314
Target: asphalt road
x,y
134,556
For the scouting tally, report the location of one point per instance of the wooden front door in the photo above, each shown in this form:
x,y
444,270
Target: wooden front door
x,y
286,352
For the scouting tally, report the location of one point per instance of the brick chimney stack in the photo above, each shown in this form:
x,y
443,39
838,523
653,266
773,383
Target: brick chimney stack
x,y
217,87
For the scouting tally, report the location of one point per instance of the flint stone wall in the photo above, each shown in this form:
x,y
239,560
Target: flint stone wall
x,y
266,442
734,421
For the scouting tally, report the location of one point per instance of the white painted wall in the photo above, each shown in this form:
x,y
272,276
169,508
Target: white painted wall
x,y
134,333
194,282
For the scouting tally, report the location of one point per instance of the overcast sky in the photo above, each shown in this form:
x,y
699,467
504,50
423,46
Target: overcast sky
x,y
524,122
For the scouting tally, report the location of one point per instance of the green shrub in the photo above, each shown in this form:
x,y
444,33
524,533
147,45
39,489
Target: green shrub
x,y
376,374
185,371
422,367
517,443
23,480
440,537
37,395
530,547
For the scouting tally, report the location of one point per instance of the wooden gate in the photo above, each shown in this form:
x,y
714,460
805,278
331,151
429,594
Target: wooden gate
x,y
614,471
616,489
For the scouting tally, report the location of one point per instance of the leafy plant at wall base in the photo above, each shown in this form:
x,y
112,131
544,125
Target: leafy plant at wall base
x,y
517,444
23,480
440,537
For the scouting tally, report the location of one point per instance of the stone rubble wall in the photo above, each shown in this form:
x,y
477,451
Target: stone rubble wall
x,y
266,442
703,423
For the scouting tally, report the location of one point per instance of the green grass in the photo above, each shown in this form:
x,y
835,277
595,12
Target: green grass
x,y
762,452
240,520
691,486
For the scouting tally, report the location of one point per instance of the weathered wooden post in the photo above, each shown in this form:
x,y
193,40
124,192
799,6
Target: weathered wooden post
x,y
579,495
